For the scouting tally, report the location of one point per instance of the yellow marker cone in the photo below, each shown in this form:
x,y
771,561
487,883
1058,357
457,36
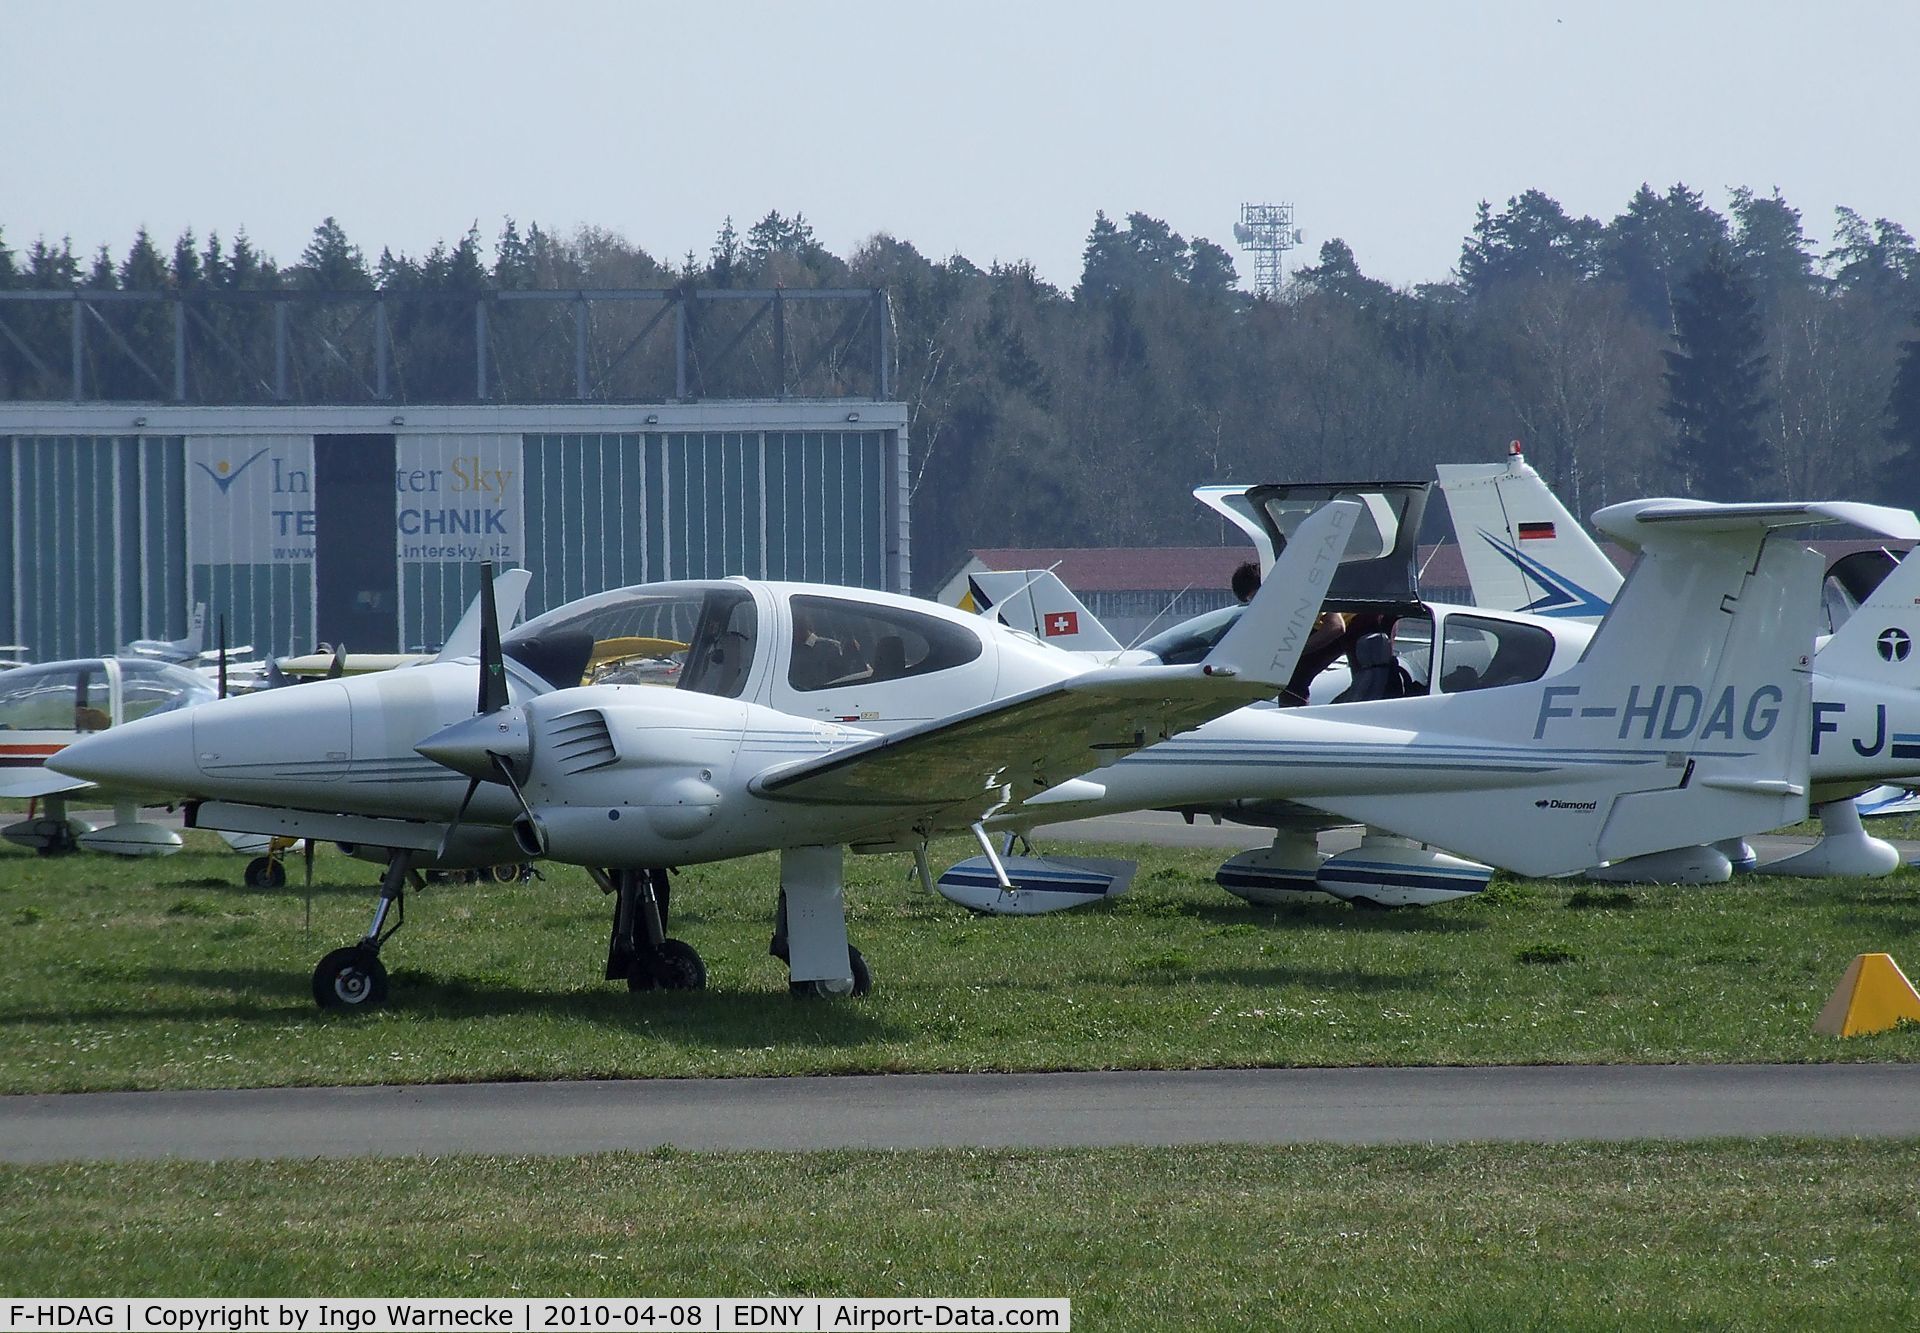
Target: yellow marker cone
x,y
1873,996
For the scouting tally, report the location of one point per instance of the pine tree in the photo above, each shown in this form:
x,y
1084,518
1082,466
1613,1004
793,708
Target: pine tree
x,y
1714,378
1901,476
333,263
723,262
186,273
1769,244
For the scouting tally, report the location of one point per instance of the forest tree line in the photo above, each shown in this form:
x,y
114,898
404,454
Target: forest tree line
x,y
1671,349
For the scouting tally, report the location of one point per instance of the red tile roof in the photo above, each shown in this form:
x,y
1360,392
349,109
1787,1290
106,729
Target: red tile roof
x,y
1125,568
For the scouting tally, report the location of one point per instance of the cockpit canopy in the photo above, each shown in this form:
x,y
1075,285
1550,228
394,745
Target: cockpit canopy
x,y
78,696
692,636
1380,567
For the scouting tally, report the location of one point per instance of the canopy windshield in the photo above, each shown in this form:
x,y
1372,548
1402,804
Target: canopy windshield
x,y
1381,562
690,636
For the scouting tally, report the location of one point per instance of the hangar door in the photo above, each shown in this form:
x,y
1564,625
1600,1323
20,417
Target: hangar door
x,y
356,564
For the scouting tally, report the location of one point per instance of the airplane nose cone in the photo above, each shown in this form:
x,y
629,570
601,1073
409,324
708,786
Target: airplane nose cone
x,y
153,754
468,746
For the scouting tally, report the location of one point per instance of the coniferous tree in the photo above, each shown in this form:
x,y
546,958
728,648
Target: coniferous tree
x,y
1901,475
1714,382
1657,244
1769,244
331,262
1533,237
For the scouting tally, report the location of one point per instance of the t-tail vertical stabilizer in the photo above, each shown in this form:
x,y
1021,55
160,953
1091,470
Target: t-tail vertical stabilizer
x,y
1877,642
1035,600
1522,549
1686,721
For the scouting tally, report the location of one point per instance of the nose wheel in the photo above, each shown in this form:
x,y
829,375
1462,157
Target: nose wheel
x,y
353,978
350,978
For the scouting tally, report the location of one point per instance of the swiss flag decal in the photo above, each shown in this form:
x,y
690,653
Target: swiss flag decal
x,y
1059,623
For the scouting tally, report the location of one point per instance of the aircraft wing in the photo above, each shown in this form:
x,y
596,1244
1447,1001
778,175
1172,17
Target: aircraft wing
x,y
1030,742
25,784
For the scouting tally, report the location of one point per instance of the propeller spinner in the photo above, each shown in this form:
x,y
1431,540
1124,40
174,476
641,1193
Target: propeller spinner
x,y
491,745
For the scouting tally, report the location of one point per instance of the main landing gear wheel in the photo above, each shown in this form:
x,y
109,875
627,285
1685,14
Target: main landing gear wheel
x,y
350,978
676,966
60,842
811,990
265,872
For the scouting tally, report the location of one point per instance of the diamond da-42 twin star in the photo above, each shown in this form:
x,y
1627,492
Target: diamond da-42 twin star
x,y
805,719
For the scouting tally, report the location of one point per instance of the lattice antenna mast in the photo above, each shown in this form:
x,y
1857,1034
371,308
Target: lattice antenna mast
x,y
1268,232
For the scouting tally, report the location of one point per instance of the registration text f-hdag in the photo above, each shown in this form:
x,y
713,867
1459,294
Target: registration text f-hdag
x,y
1671,712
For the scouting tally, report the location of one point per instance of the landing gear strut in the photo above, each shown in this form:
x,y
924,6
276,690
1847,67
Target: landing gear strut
x,y
354,977
810,927
639,949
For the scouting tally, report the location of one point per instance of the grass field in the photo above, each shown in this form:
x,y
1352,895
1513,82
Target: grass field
x,y
168,974
1722,1235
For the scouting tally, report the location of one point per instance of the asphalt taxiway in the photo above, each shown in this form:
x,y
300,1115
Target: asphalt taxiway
x,y
1250,1106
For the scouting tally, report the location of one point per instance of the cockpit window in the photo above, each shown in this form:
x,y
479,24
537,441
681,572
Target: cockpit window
x,y
1480,654
147,688
1191,640
690,636
840,643
62,696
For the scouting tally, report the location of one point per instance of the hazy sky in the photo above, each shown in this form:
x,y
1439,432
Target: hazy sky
x,y
990,129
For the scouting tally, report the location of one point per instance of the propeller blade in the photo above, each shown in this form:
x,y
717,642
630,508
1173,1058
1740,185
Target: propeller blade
x,y
309,860
493,671
505,770
446,839
223,655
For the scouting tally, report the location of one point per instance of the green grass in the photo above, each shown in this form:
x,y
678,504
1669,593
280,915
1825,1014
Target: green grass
x,y
168,974
1761,1235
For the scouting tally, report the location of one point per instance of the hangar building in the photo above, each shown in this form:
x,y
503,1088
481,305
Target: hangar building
x,y
363,522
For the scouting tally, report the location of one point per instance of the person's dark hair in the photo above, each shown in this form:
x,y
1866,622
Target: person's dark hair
x,y
1246,581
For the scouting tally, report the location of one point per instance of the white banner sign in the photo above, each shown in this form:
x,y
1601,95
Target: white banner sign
x,y
459,497
249,499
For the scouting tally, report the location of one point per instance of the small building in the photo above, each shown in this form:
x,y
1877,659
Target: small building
x,y
354,506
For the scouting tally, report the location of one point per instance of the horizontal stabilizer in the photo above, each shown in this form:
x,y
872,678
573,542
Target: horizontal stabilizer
x,y
1637,521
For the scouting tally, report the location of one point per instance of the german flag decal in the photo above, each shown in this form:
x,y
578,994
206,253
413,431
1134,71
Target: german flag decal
x,y
1532,531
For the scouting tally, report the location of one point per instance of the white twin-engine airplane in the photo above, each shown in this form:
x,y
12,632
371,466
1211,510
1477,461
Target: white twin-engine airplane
x,y
809,719
1687,711
806,719
1524,551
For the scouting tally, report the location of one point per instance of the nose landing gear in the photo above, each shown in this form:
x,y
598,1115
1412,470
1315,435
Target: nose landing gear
x,y
354,978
